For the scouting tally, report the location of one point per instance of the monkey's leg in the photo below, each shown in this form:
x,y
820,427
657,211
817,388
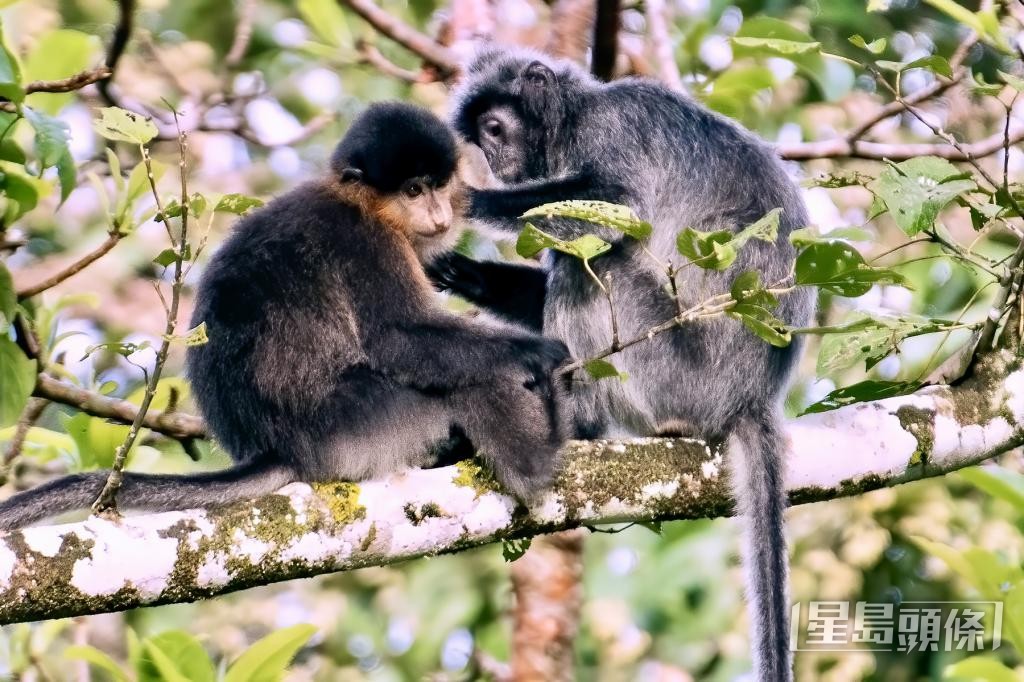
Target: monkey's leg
x,y
514,292
516,431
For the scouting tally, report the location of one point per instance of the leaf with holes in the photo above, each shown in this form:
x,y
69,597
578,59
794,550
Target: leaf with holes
x,y
121,125
916,190
239,204
710,250
870,339
863,392
513,549
766,229
763,323
603,213
747,288
875,47
532,240
839,268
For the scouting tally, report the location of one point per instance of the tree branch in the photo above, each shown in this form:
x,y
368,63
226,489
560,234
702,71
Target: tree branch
x,y
405,35
69,84
606,39
122,34
173,424
842,147
95,566
111,241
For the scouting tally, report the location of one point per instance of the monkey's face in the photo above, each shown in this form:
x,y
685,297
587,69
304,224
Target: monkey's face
x,y
423,208
514,150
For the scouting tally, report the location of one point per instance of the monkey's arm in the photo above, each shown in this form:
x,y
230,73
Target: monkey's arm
x,y
504,205
441,354
515,292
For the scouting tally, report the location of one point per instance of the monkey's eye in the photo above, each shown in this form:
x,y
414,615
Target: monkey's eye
x,y
413,190
492,127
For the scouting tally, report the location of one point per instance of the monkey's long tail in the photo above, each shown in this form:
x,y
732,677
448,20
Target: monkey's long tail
x,y
759,489
155,492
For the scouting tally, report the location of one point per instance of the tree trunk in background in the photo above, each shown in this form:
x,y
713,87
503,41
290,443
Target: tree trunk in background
x,y
547,583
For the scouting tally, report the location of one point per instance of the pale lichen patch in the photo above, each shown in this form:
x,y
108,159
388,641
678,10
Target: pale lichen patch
x,y
8,561
213,572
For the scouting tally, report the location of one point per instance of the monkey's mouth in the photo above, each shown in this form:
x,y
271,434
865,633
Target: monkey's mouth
x,y
432,232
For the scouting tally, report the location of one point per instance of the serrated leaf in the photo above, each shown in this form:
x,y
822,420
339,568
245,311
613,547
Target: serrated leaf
x,y
603,213
875,47
513,549
763,323
869,339
239,204
532,240
602,369
193,337
863,392
121,125
839,268
766,229
51,137
933,62
268,659
915,191
17,379
122,348
711,250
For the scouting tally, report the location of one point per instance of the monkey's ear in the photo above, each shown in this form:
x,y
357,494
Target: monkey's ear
x,y
351,175
539,75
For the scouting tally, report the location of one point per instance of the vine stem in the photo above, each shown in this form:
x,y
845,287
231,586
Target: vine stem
x,y
106,502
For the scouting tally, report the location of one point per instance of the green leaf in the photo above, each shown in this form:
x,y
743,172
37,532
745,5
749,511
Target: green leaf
x,y
513,549
531,241
809,235
763,36
839,268
763,323
981,87
614,216
710,250
193,337
51,139
121,125
57,55
980,669
10,72
766,229
17,379
97,658
168,256
984,23
747,288
175,655
239,204
863,392
1015,82
8,298
327,20
602,369
875,47
870,339
267,659
933,62
67,175
916,190
19,191
998,482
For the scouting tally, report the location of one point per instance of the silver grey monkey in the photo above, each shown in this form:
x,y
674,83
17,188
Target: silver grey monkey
x,y
551,132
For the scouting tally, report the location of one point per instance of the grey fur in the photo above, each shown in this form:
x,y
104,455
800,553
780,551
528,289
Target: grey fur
x,y
560,134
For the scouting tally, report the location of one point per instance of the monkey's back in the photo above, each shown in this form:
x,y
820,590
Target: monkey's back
x,y
681,165
276,302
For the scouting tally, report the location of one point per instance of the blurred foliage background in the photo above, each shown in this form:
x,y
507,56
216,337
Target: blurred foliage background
x,y
658,606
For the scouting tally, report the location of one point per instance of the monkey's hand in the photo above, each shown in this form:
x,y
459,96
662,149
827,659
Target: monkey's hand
x,y
450,272
540,357
474,170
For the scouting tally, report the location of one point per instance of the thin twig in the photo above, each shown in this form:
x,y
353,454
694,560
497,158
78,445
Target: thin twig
x,y
69,84
103,249
369,54
661,44
606,39
122,34
405,35
243,33
841,148
106,502
29,416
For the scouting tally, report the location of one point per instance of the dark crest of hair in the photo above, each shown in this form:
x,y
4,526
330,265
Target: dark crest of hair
x,y
392,142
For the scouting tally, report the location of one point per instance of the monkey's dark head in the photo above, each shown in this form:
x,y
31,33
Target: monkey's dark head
x,y
515,105
407,157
